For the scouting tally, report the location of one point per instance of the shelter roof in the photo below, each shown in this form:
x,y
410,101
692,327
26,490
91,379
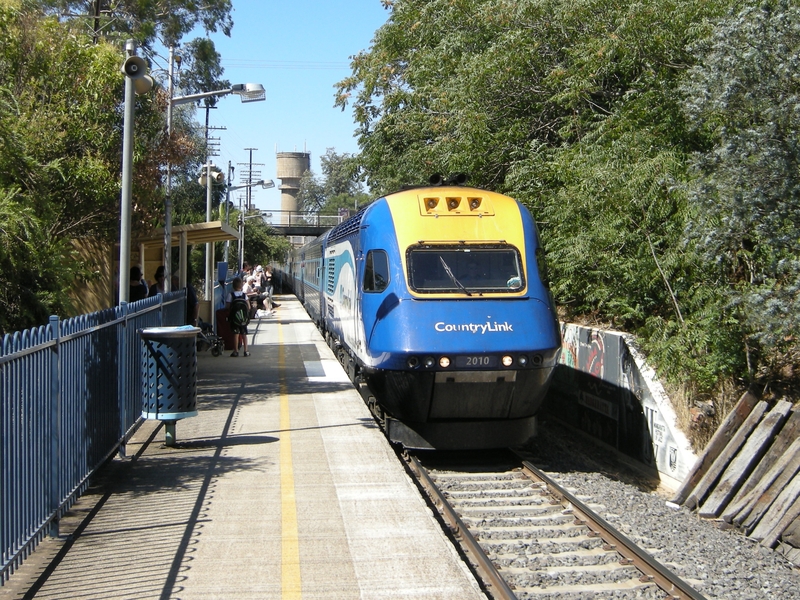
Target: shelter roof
x,y
196,233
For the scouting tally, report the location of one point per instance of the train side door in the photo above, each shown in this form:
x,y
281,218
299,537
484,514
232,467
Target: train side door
x,y
375,279
358,330
301,271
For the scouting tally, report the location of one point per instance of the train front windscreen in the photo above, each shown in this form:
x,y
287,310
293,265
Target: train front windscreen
x,y
461,269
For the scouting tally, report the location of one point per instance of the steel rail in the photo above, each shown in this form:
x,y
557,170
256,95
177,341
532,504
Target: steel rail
x,y
652,569
461,531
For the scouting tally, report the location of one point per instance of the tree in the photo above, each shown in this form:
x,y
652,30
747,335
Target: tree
x,y
24,294
262,244
201,70
345,203
59,160
165,22
574,108
145,20
746,198
339,186
341,173
60,139
311,195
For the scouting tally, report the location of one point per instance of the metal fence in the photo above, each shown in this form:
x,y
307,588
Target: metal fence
x,y
70,396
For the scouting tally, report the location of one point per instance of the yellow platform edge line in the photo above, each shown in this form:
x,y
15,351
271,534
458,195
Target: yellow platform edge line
x,y
290,541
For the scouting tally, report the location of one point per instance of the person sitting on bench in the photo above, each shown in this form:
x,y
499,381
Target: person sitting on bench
x,y
256,299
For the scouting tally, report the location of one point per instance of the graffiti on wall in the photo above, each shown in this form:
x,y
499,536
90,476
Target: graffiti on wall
x,y
601,391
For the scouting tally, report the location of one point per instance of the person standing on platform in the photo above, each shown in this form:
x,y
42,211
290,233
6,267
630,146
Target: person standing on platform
x,y
238,315
158,286
246,271
268,288
137,289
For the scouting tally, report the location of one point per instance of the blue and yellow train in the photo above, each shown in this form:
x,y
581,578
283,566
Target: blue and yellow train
x,y
435,299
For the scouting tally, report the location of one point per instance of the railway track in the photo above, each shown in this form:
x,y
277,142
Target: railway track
x,y
527,537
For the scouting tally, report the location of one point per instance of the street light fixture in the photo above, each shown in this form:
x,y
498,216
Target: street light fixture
x,y
247,92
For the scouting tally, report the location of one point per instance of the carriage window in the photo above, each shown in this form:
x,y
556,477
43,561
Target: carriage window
x,y
376,271
462,269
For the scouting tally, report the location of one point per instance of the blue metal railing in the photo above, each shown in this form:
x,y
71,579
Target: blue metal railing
x,y
70,396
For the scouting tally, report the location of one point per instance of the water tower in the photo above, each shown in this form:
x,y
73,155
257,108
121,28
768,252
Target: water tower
x,y
291,166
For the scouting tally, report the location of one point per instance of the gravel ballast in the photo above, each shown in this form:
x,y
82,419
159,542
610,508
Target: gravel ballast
x,y
720,563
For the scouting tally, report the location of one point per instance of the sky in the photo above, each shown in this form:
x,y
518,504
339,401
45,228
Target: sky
x,y
298,50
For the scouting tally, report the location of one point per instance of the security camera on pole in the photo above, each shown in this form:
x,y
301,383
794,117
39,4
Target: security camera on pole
x,y
136,82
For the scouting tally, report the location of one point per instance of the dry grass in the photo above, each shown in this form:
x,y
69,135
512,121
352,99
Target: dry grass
x,y
699,418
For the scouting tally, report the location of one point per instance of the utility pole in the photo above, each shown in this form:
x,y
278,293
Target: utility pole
x,y
228,181
248,176
96,10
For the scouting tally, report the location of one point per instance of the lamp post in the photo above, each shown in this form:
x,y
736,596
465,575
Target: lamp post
x,y
231,169
247,92
168,194
136,82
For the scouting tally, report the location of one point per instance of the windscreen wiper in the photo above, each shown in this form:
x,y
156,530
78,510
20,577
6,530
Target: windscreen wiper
x,y
453,277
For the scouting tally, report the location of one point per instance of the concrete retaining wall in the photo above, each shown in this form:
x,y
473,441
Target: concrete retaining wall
x,y
604,388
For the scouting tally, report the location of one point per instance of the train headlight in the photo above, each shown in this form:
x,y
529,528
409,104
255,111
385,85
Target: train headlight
x,y
444,362
508,360
522,360
429,362
412,362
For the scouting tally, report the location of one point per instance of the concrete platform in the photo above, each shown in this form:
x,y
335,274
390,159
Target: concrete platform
x,y
281,487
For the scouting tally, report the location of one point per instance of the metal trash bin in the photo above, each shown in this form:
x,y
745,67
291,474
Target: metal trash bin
x,y
169,375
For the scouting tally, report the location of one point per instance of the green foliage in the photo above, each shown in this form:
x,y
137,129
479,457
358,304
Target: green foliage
x,y
345,202
61,117
575,108
201,70
746,196
147,20
704,349
610,225
341,173
29,293
59,160
475,85
311,195
339,186
262,245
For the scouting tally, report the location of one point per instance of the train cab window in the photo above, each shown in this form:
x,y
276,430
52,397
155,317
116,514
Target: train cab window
x,y
469,270
376,271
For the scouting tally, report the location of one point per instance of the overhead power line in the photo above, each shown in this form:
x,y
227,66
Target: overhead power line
x,y
294,65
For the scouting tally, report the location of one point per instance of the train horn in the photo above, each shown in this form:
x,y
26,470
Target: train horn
x,y
436,179
458,179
